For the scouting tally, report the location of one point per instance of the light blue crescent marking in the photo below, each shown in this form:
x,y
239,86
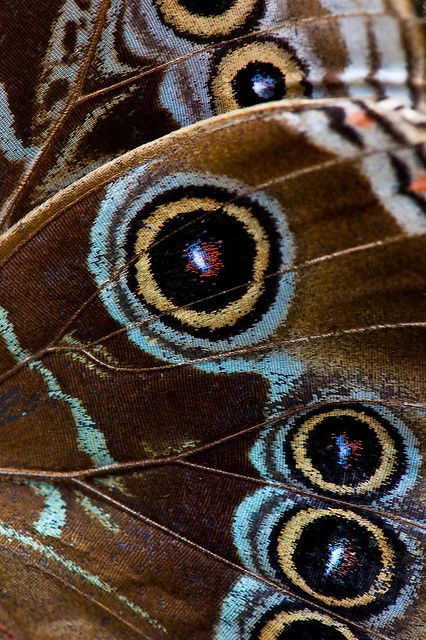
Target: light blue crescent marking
x,y
268,454
244,606
53,517
102,516
90,440
254,519
122,202
10,534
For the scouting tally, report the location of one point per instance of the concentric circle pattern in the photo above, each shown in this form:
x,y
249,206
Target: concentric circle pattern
x,y
256,73
336,556
350,450
202,259
356,450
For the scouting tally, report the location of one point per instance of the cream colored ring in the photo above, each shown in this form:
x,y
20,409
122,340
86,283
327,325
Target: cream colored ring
x,y
149,289
277,625
291,533
387,463
206,26
270,52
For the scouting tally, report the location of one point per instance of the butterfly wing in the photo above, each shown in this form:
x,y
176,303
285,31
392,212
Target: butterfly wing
x,y
148,342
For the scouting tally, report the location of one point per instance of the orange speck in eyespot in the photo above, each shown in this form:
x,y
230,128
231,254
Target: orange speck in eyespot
x,y
359,119
418,185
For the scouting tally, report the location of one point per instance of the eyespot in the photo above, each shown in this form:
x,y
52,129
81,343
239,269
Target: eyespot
x,y
199,255
350,450
194,244
336,556
200,20
303,625
256,73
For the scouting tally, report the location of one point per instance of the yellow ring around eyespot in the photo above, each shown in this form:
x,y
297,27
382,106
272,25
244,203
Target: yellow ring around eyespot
x,y
273,629
149,289
204,26
290,535
270,52
304,464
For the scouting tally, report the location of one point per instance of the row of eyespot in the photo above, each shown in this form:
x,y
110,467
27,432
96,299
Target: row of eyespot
x,y
334,556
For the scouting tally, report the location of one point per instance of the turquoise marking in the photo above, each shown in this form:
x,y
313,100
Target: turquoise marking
x,y
244,606
253,521
53,517
103,517
90,439
10,534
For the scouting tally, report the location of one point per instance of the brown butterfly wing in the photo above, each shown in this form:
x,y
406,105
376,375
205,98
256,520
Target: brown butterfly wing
x,y
190,546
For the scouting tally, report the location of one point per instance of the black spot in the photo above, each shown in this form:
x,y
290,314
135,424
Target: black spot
x,y
310,630
225,246
70,36
345,449
258,82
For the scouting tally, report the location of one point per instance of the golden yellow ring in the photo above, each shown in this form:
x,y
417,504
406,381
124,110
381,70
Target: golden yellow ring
x,y
290,534
149,289
303,462
222,90
204,26
277,625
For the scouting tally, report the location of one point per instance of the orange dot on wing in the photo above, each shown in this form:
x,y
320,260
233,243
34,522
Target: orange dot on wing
x,y
359,119
419,184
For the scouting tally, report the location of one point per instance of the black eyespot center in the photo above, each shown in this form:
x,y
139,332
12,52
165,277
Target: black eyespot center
x,y
259,82
339,557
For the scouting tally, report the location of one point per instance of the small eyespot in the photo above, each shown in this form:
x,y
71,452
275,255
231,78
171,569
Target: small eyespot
x,y
256,73
253,610
353,450
215,19
303,625
336,557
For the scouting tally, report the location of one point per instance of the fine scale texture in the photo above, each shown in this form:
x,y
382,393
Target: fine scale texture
x,y
212,319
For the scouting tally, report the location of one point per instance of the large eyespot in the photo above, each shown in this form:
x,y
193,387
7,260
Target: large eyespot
x,y
198,261
255,73
303,625
350,450
203,259
336,556
201,20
